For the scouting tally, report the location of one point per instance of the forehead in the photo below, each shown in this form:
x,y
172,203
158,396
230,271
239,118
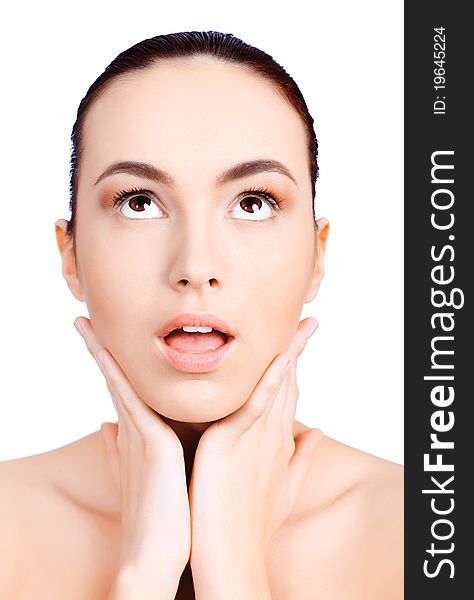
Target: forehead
x,y
192,120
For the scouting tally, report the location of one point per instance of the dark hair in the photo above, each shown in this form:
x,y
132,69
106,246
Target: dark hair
x,y
174,46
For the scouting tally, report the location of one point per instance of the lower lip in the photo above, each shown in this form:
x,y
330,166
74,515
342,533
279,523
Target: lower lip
x,y
196,363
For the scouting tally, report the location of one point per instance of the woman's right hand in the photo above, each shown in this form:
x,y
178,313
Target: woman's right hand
x,y
147,463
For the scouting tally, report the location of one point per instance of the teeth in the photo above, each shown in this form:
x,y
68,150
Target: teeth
x,y
191,329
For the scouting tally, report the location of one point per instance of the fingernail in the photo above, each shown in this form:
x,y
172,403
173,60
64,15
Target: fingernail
x,y
282,363
312,329
79,327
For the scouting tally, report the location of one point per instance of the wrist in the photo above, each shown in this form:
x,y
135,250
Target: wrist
x,y
230,575
147,582
214,549
147,558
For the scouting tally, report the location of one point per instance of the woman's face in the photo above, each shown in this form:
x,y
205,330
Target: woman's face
x,y
191,242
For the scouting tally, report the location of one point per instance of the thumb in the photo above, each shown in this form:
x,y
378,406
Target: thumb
x,y
300,462
109,436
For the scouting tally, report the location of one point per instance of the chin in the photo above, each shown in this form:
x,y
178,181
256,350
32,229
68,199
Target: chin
x,y
196,401
194,414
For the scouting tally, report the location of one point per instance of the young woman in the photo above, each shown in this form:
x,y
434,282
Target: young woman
x,y
194,244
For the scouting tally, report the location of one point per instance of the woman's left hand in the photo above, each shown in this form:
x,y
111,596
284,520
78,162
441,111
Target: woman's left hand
x,y
248,468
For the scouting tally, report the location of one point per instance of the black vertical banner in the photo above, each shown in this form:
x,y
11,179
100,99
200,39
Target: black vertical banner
x,y
439,268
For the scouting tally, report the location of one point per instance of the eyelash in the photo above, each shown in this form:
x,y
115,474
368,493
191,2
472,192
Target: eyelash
x,y
121,197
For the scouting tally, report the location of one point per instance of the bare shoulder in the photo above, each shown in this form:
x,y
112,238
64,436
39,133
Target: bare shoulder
x,y
10,562
49,543
25,497
345,539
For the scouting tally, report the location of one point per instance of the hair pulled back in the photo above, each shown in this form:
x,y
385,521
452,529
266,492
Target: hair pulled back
x,y
176,46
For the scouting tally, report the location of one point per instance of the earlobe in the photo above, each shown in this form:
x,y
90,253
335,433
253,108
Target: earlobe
x,y
68,259
320,241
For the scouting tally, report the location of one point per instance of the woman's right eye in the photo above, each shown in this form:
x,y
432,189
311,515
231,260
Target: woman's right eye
x,y
137,205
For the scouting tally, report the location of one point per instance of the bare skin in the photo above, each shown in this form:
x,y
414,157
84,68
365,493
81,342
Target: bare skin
x,y
61,513
60,527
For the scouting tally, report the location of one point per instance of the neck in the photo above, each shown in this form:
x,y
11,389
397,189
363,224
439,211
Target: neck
x,y
102,496
189,435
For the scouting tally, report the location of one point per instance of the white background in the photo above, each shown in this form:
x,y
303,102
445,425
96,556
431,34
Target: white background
x,y
347,58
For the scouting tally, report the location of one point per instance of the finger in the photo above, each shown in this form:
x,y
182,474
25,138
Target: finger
x,y
284,404
288,406
269,395
132,409
304,331
300,462
84,327
109,435
274,408
268,385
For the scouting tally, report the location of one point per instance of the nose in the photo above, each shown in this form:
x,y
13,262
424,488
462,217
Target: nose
x,y
196,256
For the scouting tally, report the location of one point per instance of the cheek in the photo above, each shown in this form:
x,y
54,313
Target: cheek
x,y
281,276
115,280
264,282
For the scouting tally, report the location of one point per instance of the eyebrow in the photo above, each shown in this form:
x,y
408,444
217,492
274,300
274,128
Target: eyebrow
x,y
238,171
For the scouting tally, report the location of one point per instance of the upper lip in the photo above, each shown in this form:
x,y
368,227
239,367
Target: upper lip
x,y
195,320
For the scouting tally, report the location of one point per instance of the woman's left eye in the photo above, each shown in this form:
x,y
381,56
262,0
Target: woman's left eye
x,y
139,203
255,206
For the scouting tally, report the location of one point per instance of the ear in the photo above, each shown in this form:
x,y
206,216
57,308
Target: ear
x,y
68,258
320,240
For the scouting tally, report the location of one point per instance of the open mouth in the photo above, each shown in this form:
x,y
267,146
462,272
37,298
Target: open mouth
x,y
196,349
196,340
